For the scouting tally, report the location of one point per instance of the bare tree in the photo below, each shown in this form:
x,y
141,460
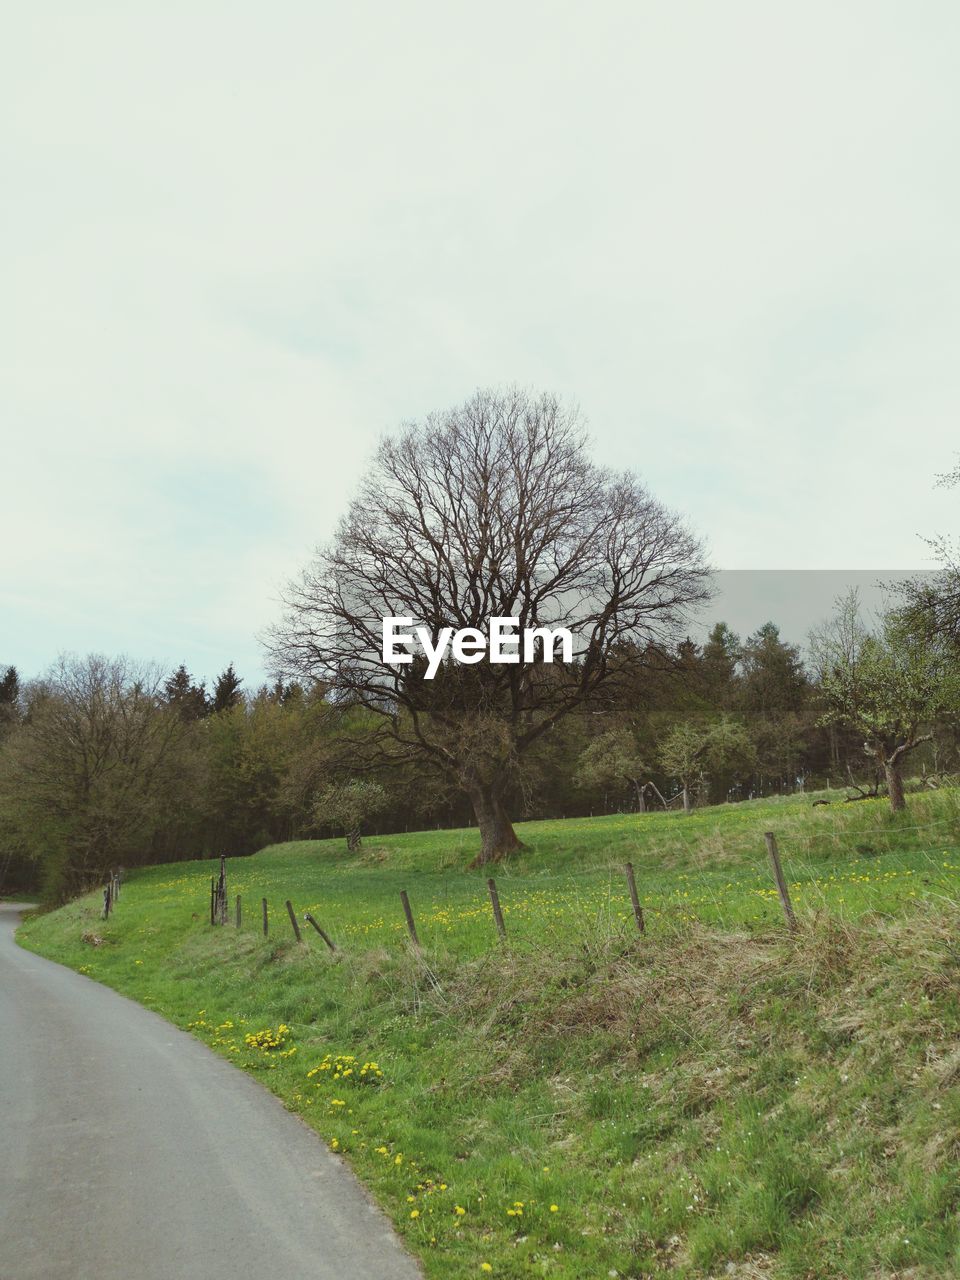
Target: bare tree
x,y
94,772
932,602
492,509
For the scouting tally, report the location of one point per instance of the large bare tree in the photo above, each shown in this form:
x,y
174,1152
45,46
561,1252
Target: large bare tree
x,y
491,509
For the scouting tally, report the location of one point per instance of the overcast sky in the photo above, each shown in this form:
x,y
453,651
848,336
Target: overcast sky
x,y
239,241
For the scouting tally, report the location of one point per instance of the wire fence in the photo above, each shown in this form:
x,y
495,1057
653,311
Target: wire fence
x,y
636,912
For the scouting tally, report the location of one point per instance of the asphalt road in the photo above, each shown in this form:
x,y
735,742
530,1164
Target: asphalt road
x,y
131,1152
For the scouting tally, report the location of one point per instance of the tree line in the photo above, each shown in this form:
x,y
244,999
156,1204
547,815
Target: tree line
x,y
493,508
107,763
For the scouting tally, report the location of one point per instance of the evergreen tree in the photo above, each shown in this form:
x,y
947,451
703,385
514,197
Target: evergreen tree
x,y
775,700
226,691
189,699
719,662
9,687
9,698
774,681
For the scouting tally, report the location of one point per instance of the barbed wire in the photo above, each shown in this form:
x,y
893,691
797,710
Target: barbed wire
x,y
508,876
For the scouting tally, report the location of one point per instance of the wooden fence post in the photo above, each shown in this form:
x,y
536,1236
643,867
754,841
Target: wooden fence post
x,y
239,913
497,913
309,917
222,889
265,928
106,903
293,920
213,901
637,909
782,889
409,914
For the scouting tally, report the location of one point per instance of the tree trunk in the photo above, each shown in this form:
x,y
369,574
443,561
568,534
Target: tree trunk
x,y
894,778
641,796
353,840
497,836
657,792
686,799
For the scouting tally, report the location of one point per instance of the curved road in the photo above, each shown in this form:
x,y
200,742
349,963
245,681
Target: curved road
x,y
131,1152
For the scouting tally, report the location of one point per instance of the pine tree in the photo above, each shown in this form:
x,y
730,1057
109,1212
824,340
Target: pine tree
x,y
226,691
9,698
9,687
719,659
190,699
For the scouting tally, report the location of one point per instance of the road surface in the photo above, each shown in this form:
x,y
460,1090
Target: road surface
x,y
131,1152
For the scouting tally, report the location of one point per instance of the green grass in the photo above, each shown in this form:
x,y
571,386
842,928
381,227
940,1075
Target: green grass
x,y
716,1097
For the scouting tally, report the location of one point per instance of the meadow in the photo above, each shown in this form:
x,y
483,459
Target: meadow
x,y
715,1097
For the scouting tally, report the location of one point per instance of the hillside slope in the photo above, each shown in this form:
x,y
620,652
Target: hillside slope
x,y
716,1097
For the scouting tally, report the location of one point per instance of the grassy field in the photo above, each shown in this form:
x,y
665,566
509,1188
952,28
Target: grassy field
x,y
715,1098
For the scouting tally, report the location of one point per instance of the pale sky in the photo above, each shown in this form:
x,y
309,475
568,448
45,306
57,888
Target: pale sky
x,y
238,242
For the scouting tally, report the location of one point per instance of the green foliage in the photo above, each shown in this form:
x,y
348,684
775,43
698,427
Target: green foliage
x,y
890,686
690,751
250,774
612,757
886,685
248,751
350,805
774,683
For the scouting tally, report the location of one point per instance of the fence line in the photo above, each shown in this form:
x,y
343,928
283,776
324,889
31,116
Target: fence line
x,y
779,880
659,909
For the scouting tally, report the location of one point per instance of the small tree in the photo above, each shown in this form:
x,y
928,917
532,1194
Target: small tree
x,y
889,686
691,749
613,757
349,805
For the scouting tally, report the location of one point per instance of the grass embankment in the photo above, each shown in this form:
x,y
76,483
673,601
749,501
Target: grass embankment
x,y
715,1098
